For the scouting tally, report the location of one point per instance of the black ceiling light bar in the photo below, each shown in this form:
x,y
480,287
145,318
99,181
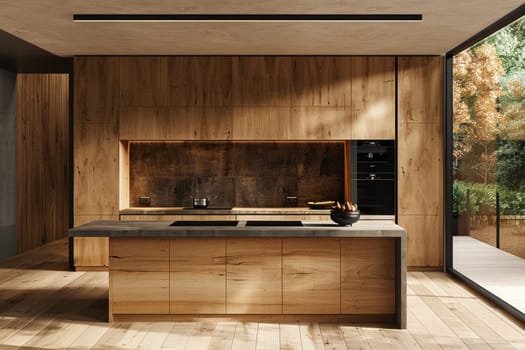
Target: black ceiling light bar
x,y
247,17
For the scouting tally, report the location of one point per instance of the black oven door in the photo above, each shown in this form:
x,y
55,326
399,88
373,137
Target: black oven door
x,y
374,196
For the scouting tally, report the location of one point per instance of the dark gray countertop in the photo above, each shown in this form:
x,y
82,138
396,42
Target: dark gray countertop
x,y
161,229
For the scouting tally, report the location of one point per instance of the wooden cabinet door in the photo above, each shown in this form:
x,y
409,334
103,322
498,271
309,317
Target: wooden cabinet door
x,y
261,81
420,158
143,81
90,253
197,276
373,98
368,271
253,270
311,276
139,276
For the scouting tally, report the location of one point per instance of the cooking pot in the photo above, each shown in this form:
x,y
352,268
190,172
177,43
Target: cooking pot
x,y
201,203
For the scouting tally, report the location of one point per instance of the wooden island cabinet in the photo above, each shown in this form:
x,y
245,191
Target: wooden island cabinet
x,y
217,276
139,276
318,271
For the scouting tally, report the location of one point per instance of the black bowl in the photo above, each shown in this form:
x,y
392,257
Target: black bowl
x,y
345,218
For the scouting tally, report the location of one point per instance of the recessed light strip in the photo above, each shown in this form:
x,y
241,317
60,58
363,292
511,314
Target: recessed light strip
x,y
247,17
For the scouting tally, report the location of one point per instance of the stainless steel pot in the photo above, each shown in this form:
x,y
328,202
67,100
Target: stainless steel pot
x,y
201,203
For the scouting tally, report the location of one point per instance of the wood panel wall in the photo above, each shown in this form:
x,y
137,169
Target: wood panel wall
x,y
210,98
42,154
263,98
256,98
420,158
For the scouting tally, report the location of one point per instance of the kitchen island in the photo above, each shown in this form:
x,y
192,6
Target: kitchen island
x,y
317,271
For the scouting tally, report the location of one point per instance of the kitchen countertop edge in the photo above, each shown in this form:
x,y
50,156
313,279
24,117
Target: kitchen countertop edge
x,y
161,229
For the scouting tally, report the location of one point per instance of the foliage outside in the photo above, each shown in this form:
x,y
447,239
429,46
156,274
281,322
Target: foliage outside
x,y
489,123
482,199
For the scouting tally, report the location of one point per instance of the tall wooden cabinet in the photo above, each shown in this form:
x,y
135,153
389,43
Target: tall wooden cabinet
x,y
420,158
96,150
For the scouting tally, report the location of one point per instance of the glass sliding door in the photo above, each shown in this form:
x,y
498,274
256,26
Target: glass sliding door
x,y
488,164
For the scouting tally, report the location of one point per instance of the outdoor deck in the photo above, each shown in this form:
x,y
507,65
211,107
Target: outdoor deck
x,y
499,272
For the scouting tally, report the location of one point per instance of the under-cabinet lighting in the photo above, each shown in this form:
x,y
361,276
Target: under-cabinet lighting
x,y
247,17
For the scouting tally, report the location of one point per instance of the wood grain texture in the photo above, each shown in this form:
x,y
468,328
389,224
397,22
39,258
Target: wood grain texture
x,y
424,239
253,276
143,81
123,176
90,252
200,81
137,254
152,217
286,123
373,97
321,81
96,173
420,169
420,86
263,123
320,123
420,158
139,276
311,276
175,123
96,89
262,81
42,159
368,272
96,168
197,276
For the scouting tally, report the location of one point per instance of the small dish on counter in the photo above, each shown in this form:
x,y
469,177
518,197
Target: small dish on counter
x,y
345,218
320,205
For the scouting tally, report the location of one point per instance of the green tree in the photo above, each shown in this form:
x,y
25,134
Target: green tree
x,y
509,43
510,168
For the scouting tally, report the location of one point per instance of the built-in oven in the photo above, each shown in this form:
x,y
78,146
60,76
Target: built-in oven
x,y
373,184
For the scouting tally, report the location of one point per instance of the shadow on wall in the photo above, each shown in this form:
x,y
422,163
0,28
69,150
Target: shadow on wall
x,y
8,164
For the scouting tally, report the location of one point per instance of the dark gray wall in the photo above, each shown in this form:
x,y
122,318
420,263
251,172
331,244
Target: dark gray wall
x,y
7,163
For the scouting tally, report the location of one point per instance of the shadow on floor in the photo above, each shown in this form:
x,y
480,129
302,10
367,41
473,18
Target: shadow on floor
x,y
67,303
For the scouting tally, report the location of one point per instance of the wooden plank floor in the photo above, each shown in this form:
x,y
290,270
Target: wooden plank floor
x,y
45,306
497,271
